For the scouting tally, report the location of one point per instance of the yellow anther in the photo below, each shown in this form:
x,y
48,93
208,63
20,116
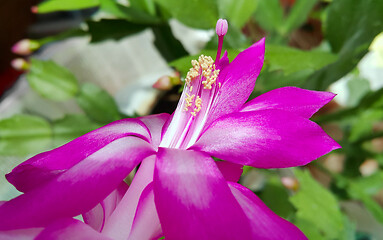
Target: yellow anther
x,y
205,66
188,101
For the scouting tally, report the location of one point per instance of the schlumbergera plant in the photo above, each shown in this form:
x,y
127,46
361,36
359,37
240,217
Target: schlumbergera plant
x,y
179,191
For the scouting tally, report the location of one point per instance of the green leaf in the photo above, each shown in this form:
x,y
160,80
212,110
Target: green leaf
x,y
66,5
131,13
51,80
353,23
71,127
298,15
275,196
195,13
363,189
363,124
147,6
318,214
292,60
351,26
113,29
97,104
24,134
169,47
357,87
237,12
269,15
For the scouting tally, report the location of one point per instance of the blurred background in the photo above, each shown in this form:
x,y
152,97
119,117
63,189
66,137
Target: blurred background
x,y
68,67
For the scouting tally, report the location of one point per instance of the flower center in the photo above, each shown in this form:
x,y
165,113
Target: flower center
x,y
202,71
201,88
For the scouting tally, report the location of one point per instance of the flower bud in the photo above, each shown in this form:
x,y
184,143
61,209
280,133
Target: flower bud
x,y
20,64
167,82
34,9
221,27
290,183
368,167
25,47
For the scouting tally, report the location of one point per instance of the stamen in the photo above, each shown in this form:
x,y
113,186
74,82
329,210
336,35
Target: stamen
x,y
204,70
198,106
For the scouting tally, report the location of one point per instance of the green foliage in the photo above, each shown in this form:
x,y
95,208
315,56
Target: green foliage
x,y
275,196
318,213
97,104
113,29
269,15
67,5
51,80
363,188
147,6
132,14
24,134
169,47
237,12
71,127
351,26
292,60
298,15
194,13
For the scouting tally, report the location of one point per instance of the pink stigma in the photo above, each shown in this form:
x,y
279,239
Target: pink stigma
x,y
221,30
221,27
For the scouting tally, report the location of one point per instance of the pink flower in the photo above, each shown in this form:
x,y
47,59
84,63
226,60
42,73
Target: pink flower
x,y
179,191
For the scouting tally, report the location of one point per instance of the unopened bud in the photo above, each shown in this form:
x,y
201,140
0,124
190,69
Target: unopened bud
x,y
221,27
20,64
25,47
167,82
368,167
290,183
34,9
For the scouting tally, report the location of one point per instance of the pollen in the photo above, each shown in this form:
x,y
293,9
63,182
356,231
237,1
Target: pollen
x,y
198,106
189,101
204,67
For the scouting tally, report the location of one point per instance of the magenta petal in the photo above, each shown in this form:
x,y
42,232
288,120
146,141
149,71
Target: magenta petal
x,y
155,124
146,224
20,234
265,139
292,99
78,189
100,214
230,171
265,224
238,80
72,229
45,166
193,199
119,224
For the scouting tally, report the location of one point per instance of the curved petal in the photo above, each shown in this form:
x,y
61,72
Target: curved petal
x,y
265,224
292,99
70,229
230,171
265,139
238,80
20,234
100,214
45,166
146,225
78,189
119,224
190,191
155,124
